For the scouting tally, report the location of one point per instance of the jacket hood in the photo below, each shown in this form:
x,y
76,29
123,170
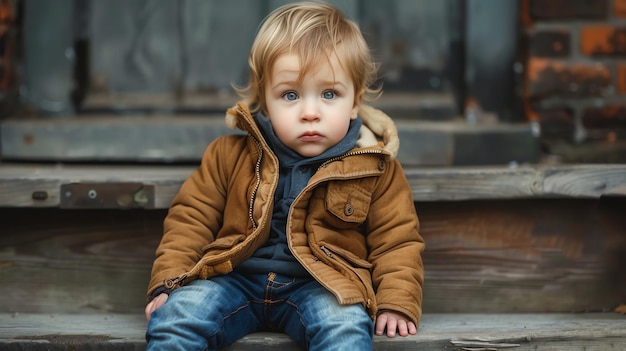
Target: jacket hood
x,y
377,126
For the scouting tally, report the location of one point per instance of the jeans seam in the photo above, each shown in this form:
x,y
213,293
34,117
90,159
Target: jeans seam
x,y
235,311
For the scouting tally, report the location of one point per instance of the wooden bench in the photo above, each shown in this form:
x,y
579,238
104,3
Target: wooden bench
x,y
531,256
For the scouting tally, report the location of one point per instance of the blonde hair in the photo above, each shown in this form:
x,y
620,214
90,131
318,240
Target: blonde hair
x,y
313,31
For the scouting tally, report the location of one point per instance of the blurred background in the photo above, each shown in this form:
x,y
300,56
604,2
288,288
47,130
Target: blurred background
x,y
469,82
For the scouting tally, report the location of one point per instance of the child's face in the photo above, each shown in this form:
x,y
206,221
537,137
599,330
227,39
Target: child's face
x,y
314,115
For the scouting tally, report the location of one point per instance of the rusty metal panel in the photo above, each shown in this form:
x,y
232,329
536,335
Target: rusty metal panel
x,y
106,196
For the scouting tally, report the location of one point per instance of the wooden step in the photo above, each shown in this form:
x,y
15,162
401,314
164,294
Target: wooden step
x,y
545,331
170,139
39,185
498,239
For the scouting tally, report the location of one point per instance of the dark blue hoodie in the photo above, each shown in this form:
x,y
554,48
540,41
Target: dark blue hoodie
x,y
295,172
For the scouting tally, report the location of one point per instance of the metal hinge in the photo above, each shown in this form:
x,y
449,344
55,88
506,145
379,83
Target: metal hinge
x,y
106,196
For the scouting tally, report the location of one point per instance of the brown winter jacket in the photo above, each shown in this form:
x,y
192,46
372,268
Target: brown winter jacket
x,y
353,227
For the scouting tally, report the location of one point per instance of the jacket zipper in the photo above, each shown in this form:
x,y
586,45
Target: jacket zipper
x,y
327,251
175,283
351,153
257,172
257,169
369,292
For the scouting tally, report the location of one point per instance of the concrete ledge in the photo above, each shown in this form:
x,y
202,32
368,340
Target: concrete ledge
x,y
598,331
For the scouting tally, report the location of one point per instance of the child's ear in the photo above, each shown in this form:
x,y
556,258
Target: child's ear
x,y
358,99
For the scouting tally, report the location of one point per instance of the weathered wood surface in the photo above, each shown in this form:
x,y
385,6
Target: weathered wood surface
x,y
544,255
19,181
77,261
541,255
178,138
528,181
595,331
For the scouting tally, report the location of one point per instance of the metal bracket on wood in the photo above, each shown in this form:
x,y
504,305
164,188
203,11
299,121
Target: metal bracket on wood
x,y
106,196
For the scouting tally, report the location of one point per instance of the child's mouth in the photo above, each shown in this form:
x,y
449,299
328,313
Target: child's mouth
x,y
311,136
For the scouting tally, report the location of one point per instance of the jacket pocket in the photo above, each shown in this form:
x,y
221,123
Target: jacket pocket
x,y
346,256
357,269
224,243
348,202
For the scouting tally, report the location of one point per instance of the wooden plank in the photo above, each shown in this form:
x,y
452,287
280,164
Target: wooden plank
x,y
19,181
183,138
466,183
162,138
584,180
594,331
528,181
556,255
546,255
77,261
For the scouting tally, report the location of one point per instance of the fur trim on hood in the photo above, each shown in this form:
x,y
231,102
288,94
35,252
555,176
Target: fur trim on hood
x,y
377,126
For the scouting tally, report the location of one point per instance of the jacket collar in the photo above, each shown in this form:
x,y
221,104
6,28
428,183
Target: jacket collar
x,y
378,128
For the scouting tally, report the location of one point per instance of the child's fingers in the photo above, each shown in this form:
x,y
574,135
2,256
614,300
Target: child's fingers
x,y
381,322
392,325
403,328
155,304
148,310
412,328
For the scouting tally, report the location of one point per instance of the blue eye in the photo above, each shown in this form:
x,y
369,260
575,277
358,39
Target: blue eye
x,y
290,96
328,94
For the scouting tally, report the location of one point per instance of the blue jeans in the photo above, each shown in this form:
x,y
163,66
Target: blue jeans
x,y
212,314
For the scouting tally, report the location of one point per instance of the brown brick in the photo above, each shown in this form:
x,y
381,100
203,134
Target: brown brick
x,y
554,78
556,122
619,8
568,9
603,40
608,118
554,43
606,123
621,78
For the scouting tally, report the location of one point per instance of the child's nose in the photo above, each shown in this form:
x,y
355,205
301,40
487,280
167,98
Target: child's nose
x,y
310,111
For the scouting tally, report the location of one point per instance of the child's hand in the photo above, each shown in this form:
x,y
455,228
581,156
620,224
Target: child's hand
x,y
155,304
394,322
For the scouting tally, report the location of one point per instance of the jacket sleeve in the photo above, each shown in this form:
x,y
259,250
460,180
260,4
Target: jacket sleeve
x,y
395,245
194,217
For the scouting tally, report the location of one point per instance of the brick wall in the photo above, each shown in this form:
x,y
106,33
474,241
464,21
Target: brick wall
x,y
575,77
